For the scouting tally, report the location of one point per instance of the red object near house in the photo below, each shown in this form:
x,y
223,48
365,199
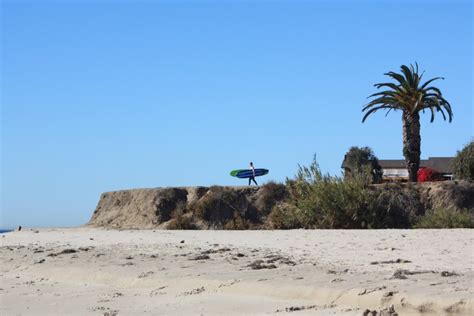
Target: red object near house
x,y
426,174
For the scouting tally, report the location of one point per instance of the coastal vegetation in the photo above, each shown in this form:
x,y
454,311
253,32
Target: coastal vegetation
x,y
445,218
309,200
463,163
409,95
328,201
318,200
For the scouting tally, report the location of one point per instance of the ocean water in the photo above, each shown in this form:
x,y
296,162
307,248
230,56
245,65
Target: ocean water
x,y
5,230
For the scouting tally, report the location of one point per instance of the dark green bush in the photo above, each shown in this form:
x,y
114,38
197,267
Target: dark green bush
x,y
360,161
463,163
446,218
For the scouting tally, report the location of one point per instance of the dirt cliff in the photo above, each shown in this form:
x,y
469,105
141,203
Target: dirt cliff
x,y
246,207
160,207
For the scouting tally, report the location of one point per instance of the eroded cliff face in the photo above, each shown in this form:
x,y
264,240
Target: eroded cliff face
x,y
248,207
155,208
141,208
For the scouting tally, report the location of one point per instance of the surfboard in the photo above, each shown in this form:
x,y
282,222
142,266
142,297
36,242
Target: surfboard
x,y
247,173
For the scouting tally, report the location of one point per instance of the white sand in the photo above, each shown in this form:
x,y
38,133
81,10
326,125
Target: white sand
x,y
150,272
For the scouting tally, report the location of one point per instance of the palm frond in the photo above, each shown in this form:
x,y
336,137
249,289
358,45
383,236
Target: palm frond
x,y
430,81
386,101
436,90
408,73
432,114
388,85
373,110
386,92
401,80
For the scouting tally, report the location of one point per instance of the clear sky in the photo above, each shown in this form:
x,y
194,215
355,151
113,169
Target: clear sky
x,y
107,95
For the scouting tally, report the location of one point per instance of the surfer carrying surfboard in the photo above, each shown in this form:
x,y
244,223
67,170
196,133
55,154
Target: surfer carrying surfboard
x,y
250,174
252,177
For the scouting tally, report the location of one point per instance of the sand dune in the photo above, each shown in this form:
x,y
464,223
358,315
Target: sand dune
x,y
87,271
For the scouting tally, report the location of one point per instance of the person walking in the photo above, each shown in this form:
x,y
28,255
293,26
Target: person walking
x,y
252,178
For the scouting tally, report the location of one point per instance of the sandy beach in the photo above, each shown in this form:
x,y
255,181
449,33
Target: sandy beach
x,y
86,271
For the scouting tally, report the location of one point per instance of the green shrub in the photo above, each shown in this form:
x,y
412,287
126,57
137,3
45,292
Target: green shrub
x,y
446,218
327,201
463,163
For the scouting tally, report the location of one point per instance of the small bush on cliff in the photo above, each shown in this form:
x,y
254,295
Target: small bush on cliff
x,y
168,201
237,223
454,194
182,221
221,205
286,216
268,195
463,163
216,207
445,218
393,206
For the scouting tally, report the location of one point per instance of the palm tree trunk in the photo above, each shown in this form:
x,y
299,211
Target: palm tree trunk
x,y
411,143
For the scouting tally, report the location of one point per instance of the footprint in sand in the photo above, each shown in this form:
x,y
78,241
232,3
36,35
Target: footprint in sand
x,y
158,291
145,274
194,291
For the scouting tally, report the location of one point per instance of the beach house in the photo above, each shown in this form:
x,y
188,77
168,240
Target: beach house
x,y
396,170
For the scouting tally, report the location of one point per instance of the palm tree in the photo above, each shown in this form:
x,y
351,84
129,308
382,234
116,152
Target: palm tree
x,y
408,95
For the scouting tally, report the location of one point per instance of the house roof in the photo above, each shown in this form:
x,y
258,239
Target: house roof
x,y
392,163
440,164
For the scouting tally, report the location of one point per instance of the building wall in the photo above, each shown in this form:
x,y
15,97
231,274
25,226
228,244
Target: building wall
x,y
396,173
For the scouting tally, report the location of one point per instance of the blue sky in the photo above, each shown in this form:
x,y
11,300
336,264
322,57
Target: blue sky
x,y
101,96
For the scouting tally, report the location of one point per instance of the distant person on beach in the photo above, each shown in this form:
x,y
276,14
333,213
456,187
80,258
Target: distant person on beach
x,y
19,228
252,178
